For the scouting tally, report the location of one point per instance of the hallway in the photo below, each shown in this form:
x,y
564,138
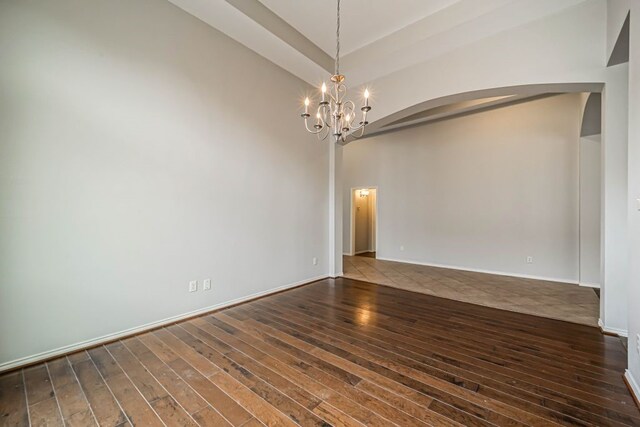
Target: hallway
x,y
552,300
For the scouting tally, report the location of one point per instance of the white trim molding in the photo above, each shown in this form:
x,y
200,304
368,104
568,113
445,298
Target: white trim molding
x,y
614,331
634,388
590,285
475,270
45,355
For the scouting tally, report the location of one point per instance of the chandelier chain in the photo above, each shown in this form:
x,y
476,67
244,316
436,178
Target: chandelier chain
x,y
335,113
338,41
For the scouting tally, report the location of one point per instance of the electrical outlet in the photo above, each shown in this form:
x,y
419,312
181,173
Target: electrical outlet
x,y
193,286
529,260
315,261
206,285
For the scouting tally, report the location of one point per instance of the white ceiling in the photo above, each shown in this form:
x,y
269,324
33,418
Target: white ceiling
x,y
362,21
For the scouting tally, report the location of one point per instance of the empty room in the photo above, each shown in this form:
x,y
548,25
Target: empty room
x,y
319,213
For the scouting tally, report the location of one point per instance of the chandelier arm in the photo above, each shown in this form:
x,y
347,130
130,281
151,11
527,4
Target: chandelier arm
x,y
311,131
326,133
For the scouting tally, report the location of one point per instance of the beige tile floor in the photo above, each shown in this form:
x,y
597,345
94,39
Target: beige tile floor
x,y
554,300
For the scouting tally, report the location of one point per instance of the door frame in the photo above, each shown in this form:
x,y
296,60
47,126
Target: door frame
x,y
352,218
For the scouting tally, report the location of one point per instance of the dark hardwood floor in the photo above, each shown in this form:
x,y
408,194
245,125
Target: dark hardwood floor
x,y
336,352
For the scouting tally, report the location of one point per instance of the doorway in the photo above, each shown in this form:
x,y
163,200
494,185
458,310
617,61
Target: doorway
x,y
364,221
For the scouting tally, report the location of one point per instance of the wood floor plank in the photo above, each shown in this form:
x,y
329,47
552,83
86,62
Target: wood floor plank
x,y
171,381
209,417
230,409
45,413
289,388
466,401
70,396
38,384
338,352
462,340
13,402
383,409
103,403
438,314
42,403
533,394
260,409
328,390
262,388
321,383
136,408
165,406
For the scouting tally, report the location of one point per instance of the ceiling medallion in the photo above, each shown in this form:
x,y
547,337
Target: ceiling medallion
x,y
335,114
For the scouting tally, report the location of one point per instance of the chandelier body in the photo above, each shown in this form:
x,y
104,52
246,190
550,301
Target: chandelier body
x,y
335,114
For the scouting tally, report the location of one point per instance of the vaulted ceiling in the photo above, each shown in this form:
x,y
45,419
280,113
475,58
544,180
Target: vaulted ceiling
x,y
378,37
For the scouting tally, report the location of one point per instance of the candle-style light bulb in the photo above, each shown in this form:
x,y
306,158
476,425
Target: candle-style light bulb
x,y
306,106
366,97
324,90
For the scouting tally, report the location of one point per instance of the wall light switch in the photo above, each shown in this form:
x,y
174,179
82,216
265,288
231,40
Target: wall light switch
x,y
402,248
206,285
638,204
193,286
315,261
529,260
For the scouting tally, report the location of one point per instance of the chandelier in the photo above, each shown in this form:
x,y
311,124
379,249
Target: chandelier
x,y
336,114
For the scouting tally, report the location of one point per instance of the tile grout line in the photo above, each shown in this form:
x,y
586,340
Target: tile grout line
x,y
55,394
26,396
81,389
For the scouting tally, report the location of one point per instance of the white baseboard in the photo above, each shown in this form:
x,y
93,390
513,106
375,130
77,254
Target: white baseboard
x,y
475,270
615,331
633,384
590,285
28,360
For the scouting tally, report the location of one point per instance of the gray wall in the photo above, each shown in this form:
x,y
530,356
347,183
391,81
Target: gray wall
x,y
590,210
479,192
634,199
141,149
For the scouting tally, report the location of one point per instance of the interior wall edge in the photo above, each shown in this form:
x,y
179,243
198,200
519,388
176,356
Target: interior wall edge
x,y
590,285
633,386
84,345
